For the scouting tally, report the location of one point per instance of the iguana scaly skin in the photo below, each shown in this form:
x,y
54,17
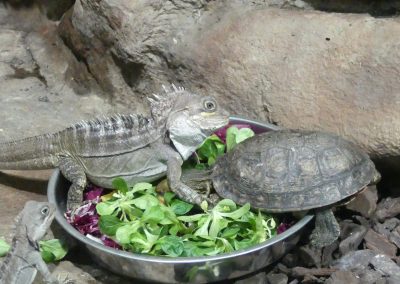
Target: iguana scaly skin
x,y
137,148
24,260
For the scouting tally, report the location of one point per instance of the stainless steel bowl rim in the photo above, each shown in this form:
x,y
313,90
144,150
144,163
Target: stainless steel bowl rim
x,y
177,260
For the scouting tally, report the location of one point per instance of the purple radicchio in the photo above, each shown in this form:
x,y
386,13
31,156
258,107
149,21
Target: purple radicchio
x,y
284,226
85,219
221,133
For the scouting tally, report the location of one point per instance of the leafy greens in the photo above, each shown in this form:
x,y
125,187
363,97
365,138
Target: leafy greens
x,y
141,222
4,247
52,250
217,144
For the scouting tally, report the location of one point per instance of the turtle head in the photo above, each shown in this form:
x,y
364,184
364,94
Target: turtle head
x,y
190,118
376,178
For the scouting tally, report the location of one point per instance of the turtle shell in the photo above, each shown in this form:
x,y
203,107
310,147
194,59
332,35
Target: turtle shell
x,y
289,170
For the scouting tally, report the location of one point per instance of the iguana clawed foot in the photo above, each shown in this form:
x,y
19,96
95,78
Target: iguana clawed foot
x,y
212,199
75,197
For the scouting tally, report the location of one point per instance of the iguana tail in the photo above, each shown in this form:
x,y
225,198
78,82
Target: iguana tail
x,y
38,152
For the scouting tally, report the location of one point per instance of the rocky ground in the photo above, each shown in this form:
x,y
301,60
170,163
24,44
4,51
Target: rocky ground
x,y
45,86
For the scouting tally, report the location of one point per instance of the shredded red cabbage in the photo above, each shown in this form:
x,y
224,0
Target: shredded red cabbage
x,y
109,242
283,227
93,193
86,219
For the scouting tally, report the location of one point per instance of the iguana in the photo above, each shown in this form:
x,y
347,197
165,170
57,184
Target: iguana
x,y
24,260
137,148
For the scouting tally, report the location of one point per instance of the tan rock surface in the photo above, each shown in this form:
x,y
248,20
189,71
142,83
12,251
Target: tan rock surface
x,y
334,72
299,69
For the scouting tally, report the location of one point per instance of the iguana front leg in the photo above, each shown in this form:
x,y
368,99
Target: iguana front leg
x,y
174,172
177,186
75,173
36,259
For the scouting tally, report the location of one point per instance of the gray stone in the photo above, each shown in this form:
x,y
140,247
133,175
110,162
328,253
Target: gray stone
x,y
388,208
311,279
369,276
276,278
299,271
365,202
34,64
351,236
328,254
379,243
386,227
13,51
387,267
291,67
55,9
390,229
290,260
392,280
259,278
104,276
355,260
340,277
67,270
310,256
394,236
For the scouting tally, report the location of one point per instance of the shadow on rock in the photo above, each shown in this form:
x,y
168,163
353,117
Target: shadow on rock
x,y
23,183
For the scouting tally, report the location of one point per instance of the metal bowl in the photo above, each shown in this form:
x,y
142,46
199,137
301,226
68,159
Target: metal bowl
x,y
183,269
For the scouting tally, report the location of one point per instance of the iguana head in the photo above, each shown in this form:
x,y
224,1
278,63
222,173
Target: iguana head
x,y
189,118
36,218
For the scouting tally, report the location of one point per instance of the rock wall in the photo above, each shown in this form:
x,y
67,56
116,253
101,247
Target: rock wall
x,y
298,69
43,87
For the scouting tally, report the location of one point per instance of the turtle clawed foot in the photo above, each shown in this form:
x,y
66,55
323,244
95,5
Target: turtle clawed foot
x,y
214,198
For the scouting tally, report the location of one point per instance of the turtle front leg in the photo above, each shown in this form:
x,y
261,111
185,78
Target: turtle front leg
x,y
326,229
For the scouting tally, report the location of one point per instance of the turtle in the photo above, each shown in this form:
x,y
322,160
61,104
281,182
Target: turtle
x,y
292,170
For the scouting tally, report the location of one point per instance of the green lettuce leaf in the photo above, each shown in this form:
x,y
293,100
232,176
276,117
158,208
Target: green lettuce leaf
x,y
4,247
52,250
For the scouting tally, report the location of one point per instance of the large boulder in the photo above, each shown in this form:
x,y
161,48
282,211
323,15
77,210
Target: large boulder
x,y
43,87
298,69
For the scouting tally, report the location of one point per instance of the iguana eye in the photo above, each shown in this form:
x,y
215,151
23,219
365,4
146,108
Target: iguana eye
x,y
209,105
45,211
